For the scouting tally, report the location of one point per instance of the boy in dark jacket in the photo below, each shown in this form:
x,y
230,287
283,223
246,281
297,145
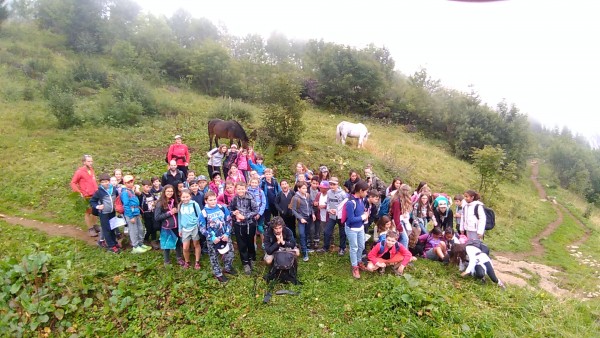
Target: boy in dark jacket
x,y
243,209
283,201
147,203
103,202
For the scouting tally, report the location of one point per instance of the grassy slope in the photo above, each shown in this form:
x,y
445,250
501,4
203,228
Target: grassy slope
x,y
39,161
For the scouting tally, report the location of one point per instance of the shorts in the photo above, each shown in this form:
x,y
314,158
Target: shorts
x,y
190,235
430,254
88,210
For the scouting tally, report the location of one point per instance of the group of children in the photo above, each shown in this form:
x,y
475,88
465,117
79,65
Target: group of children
x,y
242,195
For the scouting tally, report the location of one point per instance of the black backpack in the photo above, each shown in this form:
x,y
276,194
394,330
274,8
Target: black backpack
x,y
284,268
490,216
480,245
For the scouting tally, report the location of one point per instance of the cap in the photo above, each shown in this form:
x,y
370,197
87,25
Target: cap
x,y
192,182
104,177
323,169
222,247
324,184
201,178
128,178
333,180
442,203
177,136
233,146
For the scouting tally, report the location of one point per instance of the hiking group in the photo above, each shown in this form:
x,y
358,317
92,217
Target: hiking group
x,y
380,226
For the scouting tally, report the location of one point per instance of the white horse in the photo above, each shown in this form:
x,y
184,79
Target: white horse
x,y
356,130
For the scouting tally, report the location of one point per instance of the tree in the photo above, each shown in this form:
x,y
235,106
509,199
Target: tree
x,y
491,164
283,113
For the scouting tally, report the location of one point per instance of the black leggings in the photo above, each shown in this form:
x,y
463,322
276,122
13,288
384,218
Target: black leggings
x,y
480,272
244,235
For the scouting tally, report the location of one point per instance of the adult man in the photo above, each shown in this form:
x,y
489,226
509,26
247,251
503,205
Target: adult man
x,y
84,183
173,176
278,237
375,182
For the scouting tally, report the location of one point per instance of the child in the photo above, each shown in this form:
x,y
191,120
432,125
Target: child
x,y
228,194
191,176
216,185
302,208
320,202
147,202
443,215
480,264
423,211
215,224
313,191
131,206
156,188
302,170
165,214
103,201
283,202
271,189
215,159
197,195
242,164
435,247
383,226
118,173
235,174
323,174
261,201
355,217
258,166
335,196
400,209
253,174
458,198
372,207
470,224
450,238
202,184
389,252
229,160
188,220
243,210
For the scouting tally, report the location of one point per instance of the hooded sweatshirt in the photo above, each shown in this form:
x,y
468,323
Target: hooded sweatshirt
x,y
188,215
225,198
469,222
215,222
335,197
105,197
259,198
302,206
131,203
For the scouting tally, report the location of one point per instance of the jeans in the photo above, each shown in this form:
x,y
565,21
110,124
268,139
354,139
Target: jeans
x,y
304,229
151,233
136,230
403,239
329,233
109,235
489,269
356,239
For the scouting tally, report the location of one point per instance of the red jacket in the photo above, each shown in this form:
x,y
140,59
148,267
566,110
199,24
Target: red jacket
x,y
395,213
180,153
84,182
375,254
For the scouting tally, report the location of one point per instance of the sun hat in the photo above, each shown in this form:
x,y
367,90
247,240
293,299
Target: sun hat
x,y
128,178
222,247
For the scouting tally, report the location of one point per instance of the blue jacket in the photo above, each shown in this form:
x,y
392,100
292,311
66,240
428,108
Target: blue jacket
x,y
354,214
131,203
188,215
259,198
265,189
215,222
260,168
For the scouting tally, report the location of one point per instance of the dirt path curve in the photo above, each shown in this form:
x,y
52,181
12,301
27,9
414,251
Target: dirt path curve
x,y
51,228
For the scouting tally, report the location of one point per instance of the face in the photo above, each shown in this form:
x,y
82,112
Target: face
x,y
179,186
361,193
353,176
191,176
230,188
368,172
285,186
390,242
448,236
254,183
211,201
278,230
113,181
302,189
254,174
118,175
424,199
468,198
168,192
233,170
301,178
217,178
373,199
268,175
333,185
156,184
105,183
299,168
244,152
88,161
443,208
397,184
240,190
314,184
178,140
129,185
259,160
146,188
194,188
388,225
223,149
185,197
202,184
173,165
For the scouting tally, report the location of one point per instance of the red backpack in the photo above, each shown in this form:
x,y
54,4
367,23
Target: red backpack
x,y
119,205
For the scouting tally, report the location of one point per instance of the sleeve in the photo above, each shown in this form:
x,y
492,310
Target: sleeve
x,y
221,199
163,179
202,222
253,209
227,219
405,253
188,159
350,217
295,208
74,182
263,203
233,204
253,165
160,214
291,241
471,267
95,199
212,152
125,199
450,219
179,219
270,244
395,213
481,221
372,256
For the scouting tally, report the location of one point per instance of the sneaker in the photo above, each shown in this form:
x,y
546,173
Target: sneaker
x,y
501,285
381,271
355,272
362,266
137,250
126,230
197,266
115,249
222,278
146,247
310,250
247,269
102,244
92,232
155,245
321,250
342,252
305,258
167,264
251,264
180,261
231,271
186,265
97,228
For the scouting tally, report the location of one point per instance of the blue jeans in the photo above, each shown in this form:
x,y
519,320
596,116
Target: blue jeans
x,y
329,233
356,239
304,229
403,239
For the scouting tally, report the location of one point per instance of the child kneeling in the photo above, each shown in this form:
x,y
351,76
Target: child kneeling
x,y
389,253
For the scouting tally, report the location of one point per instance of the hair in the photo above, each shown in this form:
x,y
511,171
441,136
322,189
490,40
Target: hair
x,y
146,182
361,186
221,146
393,234
373,193
254,179
119,170
436,231
186,191
208,194
459,197
233,165
420,186
354,172
277,221
240,183
154,179
229,182
458,253
300,184
85,157
259,157
284,180
164,202
418,206
314,179
474,194
304,168
269,170
403,196
191,172
382,222
448,231
396,179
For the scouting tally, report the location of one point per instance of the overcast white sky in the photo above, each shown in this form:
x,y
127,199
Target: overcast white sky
x,y
542,55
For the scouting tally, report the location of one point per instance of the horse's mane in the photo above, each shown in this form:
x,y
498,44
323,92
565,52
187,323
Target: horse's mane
x,y
245,139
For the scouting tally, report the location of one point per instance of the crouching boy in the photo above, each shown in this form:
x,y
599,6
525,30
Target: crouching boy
x,y
278,237
389,253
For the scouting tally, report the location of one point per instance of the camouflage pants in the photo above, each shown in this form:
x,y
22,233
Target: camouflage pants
x,y
213,255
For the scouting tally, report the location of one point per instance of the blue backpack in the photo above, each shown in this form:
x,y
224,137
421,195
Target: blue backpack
x,y
384,208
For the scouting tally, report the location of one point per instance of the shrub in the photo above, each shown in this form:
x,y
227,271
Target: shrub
x,y
62,106
58,82
283,114
123,112
230,109
36,68
90,74
129,88
28,94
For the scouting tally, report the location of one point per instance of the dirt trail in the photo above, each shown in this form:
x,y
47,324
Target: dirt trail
x,y
51,228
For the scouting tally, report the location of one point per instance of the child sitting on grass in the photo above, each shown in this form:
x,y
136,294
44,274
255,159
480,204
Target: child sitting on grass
x,y
389,253
435,247
187,218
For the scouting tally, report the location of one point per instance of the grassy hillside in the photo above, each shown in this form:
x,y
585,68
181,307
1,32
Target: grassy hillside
x,y
134,295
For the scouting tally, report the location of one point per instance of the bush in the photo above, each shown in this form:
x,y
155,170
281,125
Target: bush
x,y
90,74
62,106
28,94
283,114
36,68
123,112
230,109
128,88
58,82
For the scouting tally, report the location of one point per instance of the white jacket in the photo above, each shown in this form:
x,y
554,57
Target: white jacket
x,y
469,222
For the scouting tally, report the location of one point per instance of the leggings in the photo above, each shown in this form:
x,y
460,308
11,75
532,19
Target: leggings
x,y
480,272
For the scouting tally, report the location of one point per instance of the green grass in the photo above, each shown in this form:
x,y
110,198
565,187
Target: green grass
x,y
134,295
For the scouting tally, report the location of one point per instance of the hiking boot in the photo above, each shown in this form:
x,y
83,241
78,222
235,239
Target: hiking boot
x,y
97,228
355,272
186,265
305,258
231,271
222,278
115,249
321,250
180,261
342,252
197,266
92,232
362,266
247,269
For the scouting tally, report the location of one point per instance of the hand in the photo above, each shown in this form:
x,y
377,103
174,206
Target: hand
x,y
215,241
100,207
173,210
257,217
132,220
224,238
240,217
380,264
480,236
314,218
180,234
316,203
463,274
303,221
81,194
400,268
364,216
332,211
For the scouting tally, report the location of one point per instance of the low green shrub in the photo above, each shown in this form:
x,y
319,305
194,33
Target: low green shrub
x,y
62,106
230,109
90,74
35,68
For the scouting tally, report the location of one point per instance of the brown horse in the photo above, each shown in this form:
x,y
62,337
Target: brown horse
x,y
226,129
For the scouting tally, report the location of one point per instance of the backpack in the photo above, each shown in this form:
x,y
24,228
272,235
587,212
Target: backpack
x,y
384,208
284,268
284,259
480,245
341,213
490,216
119,205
